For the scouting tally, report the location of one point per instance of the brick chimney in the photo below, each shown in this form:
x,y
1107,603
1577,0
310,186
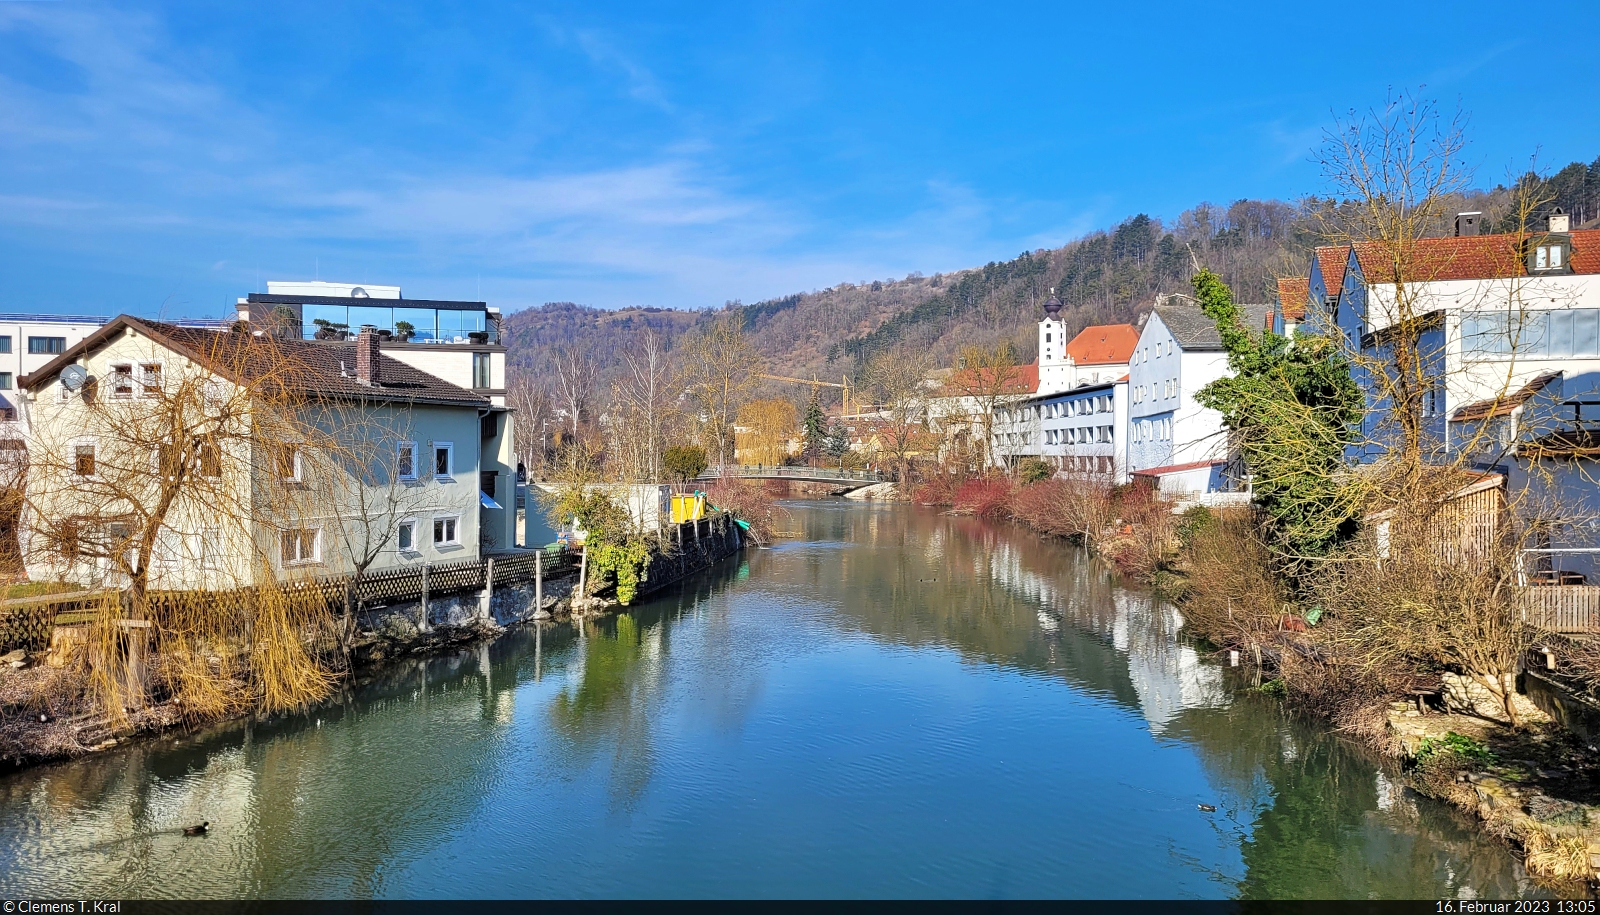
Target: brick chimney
x,y
367,370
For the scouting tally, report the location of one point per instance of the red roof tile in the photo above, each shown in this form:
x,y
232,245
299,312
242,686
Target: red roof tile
x,y
1103,344
1332,259
1017,379
1294,293
1472,257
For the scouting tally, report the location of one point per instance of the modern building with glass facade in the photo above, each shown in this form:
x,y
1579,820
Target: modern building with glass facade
x,y
459,342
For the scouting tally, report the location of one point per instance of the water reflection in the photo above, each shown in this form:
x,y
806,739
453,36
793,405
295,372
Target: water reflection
x,y
900,703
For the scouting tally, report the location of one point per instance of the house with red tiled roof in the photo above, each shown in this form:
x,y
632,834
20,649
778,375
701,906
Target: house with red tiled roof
x,y
1486,314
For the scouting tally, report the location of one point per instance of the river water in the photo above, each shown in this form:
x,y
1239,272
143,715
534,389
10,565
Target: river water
x,y
894,703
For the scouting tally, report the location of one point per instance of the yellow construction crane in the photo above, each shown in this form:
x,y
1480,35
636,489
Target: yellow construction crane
x,y
845,407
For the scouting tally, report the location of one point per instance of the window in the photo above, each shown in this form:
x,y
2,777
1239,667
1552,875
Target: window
x,y
480,370
1547,257
150,379
406,535
443,459
49,346
211,550
5,381
122,381
286,461
5,343
445,532
209,458
83,459
405,460
486,479
301,546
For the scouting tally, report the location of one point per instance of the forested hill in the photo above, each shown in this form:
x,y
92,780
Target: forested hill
x,y
1105,277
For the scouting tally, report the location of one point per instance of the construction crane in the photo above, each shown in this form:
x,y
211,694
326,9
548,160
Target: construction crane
x,y
845,407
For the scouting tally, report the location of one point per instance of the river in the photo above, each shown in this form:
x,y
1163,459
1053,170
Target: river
x,y
894,703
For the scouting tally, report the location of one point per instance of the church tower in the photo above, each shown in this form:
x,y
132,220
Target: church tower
x,y
1056,368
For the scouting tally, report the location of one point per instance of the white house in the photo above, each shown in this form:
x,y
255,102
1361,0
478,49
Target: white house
x,y
1178,353
425,471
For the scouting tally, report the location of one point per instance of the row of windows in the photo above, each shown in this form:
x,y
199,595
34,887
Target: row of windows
x,y
1083,406
1151,430
287,460
1532,334
1079,435
303,546
424,325
1163,391
1162,348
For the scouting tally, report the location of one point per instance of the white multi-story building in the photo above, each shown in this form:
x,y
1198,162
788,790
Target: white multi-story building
x,y
459,342
27,342
1179,352
1083,432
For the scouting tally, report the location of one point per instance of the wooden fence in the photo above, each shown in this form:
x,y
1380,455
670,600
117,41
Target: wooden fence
x,y
1562,608
27,622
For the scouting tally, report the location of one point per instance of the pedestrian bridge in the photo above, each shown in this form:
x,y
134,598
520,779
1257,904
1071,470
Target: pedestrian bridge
x,y
852,479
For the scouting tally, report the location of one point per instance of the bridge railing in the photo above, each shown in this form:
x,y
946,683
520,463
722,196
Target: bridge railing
x,y
785,472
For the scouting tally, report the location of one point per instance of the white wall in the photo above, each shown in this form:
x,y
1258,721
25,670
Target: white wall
x,y
1166,425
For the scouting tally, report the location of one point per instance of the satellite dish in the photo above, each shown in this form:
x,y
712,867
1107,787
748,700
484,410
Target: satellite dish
x,y
74,377
359,293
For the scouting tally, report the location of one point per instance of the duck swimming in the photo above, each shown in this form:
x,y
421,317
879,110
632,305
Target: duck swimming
x,y
197,830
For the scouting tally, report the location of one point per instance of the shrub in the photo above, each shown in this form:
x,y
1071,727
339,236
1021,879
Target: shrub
x,y
1078,509
749,502
986,497
684,461
1032,470
1455,744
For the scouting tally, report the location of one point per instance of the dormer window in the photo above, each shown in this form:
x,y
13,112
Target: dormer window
x,y
1550,254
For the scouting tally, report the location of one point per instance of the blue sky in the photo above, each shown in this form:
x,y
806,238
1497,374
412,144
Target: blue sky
x,y
164,159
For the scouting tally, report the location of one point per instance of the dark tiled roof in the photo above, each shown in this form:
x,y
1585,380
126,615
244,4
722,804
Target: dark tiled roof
x,y
317,369
1197,333
1502,406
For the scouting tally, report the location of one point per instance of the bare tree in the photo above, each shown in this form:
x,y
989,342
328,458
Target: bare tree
x,y
574,373
648,394
720,368
988,380
535,409
900,384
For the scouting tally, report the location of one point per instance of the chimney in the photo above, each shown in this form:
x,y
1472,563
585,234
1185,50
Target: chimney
x,y
1467,223
367,371
1559,221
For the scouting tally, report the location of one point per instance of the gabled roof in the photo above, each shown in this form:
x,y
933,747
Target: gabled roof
x,y
1332,260
1502,406
1018,379
1197,333
1473,257
1294,294
321,369
1103,344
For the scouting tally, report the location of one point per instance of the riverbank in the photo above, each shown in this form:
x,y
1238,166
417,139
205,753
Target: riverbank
x,y
43,717
1536,786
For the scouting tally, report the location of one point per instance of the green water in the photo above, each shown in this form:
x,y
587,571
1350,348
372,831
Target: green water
x,y
897,703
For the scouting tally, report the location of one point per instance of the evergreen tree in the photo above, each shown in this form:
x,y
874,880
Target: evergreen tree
x,y
1291,408
814,427
837,443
